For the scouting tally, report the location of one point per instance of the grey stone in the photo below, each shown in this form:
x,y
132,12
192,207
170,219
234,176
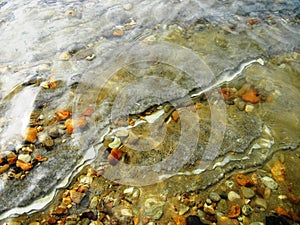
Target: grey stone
x,y
233,195
269,182
248,192
215,197
260,202
247,210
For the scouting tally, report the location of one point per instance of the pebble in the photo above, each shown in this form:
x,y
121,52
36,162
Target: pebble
x,y
46,140
233,195
4,168
269,182
209,209
115,144
247,210
257,223
31,135
248,192
24,157
222,205
249,108
127,6
215,197
34,223
53,132
260,202
90,57
118,32
193,220
65,56
154,208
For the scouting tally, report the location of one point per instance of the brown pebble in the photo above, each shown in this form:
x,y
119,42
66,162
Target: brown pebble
x,y
250,96
66,201
243,180
179,220
31,135
61,210
175,116
278,171
118,33
24,165
4,168
76,196
11,158
234,211
75,123
88,112
62,115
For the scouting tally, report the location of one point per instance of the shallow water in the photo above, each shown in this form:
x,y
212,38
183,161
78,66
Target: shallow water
x,y
121,59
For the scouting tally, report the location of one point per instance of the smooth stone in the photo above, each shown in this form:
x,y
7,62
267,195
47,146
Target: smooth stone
x,y
248,192
233,195
260,202
249,108
128,190
154,208
24,157
247,210
193,220
269,182
257,223
222,206
215,197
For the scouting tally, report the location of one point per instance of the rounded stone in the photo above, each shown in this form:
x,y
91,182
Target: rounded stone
x,y
269,182
233,195
247,210
193,220
248,192
24,157
260,202
215,197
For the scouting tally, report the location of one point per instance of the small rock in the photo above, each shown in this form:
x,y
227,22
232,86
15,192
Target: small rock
x,y
267,193
34,223
11,158
76,196
175,116
127,6
248,192
90,57
128,190
278,171
154,208
4,168
234,211
269,182
53,132
249,108
46,140
222,205
250,96
260,223
31,135
115,144
215,197
118,32
24,157
233,195
75,123
62,114
260,202
65,56
179,219
247,210
24,165
209,209
243,180
193,220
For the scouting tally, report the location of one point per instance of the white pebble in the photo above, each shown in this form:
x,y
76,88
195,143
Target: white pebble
x,y
233,195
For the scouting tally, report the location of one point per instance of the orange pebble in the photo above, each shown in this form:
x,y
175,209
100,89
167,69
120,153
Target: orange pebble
x,y
24,165
250,96
234,211
278,171
280,211
75,123
62,115
243,180
31,135
179,219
